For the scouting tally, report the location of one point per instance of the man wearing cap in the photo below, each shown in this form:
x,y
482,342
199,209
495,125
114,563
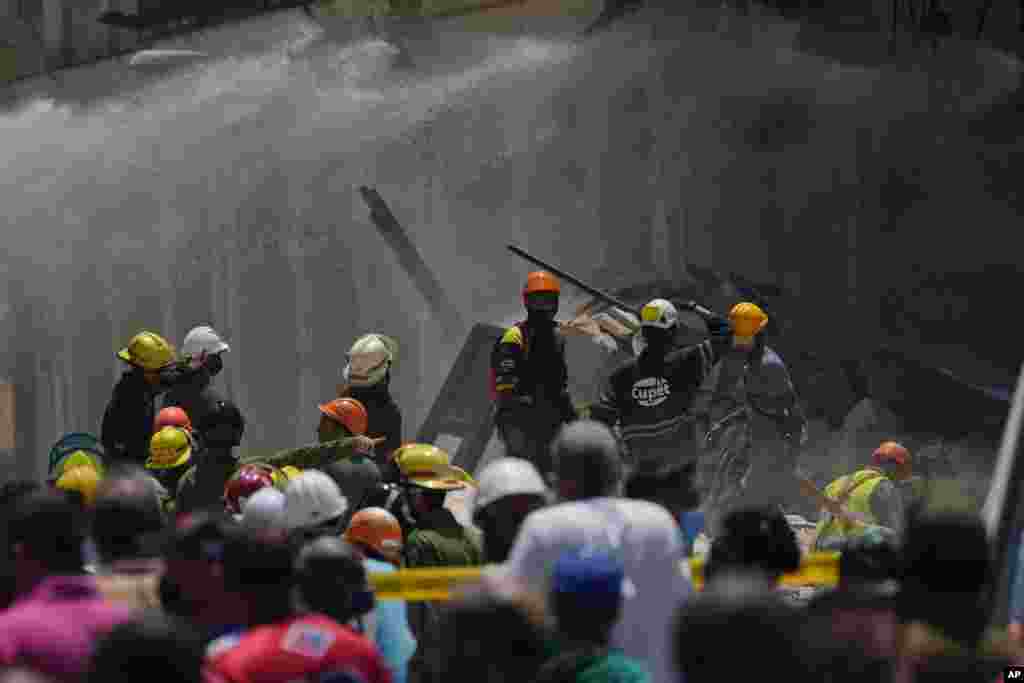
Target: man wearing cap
x,y
867,501
650,398
594,517
586,599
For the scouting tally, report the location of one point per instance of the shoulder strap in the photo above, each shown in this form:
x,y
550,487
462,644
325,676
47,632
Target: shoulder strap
x,y
855,484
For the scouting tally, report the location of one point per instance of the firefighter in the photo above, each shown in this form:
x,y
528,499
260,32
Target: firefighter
x,y
128,419
436,539
367,378
650,398
530,376
202,351
754,408
341,435
869,499
170,452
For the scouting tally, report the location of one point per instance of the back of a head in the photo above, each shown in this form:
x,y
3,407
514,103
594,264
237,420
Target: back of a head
x,y
493,637
356,477
947,554
735,612
126,517
586,594
865,561
258,566
329,573
151,644
586,453
671,485
755,538
51,529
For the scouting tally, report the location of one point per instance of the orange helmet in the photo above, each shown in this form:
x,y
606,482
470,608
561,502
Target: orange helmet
x,y
348,412
890,451
541,281
378,529
172,416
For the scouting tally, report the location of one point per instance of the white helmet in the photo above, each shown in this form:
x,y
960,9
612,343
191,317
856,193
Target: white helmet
x,y
507,477
659,313
263,511
369,359
311,499
203,338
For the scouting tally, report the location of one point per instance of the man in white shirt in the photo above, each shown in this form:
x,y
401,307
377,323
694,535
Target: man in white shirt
x,y
588,469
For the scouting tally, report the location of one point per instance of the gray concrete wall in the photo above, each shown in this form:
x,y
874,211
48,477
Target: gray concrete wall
x,y
228,197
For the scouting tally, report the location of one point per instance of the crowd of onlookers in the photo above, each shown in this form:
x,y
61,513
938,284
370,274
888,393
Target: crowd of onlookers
x,y
594,587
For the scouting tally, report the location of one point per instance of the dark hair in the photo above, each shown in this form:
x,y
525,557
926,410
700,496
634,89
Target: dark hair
x,y
494,638
709,628
866,561
253,564
756,538
52,529
152,644
581,619
12,491
128,521
670,483
582,453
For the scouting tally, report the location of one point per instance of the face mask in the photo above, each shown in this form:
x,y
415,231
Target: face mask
x,y
214,364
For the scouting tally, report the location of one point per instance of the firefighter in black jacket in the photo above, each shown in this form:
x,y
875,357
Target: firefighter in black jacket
x,y
530,376
128,419
650,398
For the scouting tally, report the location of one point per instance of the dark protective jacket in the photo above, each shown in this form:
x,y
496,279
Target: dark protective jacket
x,y
528,368
650,398
128,420
194,395
385,419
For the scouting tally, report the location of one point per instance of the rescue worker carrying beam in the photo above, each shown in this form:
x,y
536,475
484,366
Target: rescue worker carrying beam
x,y
530,378
754,410
650,398
870,499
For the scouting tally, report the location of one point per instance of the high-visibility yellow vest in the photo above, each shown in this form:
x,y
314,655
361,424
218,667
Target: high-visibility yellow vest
x,y
853,492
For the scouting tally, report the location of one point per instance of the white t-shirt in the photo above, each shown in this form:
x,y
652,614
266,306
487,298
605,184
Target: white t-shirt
x,y
650,545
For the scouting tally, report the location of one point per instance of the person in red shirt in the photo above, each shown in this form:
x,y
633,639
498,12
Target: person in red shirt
x,y
281,645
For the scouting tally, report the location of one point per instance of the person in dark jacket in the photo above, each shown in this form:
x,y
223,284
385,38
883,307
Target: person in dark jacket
x,y
202,350
530,377
367,378
218,434
650,398
128,420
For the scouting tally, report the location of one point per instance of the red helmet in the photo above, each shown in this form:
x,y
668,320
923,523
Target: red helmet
x,y
890,451
247,480
172,417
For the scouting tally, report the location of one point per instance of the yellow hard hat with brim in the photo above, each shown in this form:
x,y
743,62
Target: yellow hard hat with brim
x,y
148,351
290,472
81,478
428,466
169,448
74,459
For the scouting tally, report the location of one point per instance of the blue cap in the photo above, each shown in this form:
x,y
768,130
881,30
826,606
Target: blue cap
x,y
595,575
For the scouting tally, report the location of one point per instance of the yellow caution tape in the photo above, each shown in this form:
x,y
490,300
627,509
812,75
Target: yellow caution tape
x,y
818,569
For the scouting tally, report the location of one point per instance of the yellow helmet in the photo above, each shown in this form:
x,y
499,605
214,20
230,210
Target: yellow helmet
x,y
290,472
169,448
77,459
81,478
747,319
429,467
148,351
